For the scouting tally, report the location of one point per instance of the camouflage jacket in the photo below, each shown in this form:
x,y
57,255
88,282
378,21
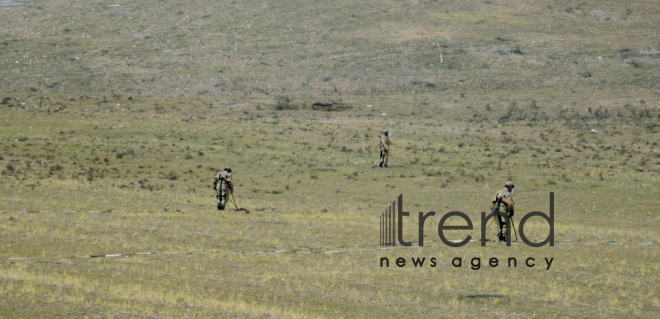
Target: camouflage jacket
x,y
227,179
385,143
507,202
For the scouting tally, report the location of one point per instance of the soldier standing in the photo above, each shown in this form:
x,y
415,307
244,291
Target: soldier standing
x,y
384,148
224,186
506,205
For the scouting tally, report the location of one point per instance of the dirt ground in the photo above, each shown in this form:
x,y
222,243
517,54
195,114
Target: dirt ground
x,y
116,116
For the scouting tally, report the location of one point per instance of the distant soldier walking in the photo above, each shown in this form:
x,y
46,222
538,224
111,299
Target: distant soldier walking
x,y
384,146
224,186
503,202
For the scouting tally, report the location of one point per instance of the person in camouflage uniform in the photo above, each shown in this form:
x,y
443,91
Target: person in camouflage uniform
x,y
506,206
384,148
223,184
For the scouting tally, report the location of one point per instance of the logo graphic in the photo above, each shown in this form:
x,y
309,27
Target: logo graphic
x,y
387,225
392,220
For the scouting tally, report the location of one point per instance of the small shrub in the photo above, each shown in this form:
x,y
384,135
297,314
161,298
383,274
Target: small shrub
x,y
435,172
283,103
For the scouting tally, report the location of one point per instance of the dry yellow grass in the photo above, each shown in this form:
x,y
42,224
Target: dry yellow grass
x,y
306,177
114,120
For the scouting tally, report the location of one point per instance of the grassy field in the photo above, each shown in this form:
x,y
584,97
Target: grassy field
x,y
115,116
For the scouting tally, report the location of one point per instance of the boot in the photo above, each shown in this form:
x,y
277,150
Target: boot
x,y
500,237
381,164
385,165
221,207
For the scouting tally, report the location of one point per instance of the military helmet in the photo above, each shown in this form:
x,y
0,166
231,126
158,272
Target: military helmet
x,y
228,169
508,184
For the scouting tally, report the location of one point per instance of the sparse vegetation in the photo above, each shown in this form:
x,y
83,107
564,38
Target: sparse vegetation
x,y
116,117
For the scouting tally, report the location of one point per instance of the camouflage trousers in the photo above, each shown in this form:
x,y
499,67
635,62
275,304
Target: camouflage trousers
x,y
223,192
384,155
501,224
